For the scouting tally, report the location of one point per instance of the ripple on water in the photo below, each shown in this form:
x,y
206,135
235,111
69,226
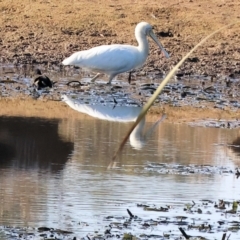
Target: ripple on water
x,y
54,173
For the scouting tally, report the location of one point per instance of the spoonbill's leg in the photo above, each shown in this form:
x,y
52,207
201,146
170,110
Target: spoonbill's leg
x,y
129,77
111,77
96,76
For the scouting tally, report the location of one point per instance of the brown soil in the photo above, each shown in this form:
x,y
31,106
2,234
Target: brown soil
x,y
47,31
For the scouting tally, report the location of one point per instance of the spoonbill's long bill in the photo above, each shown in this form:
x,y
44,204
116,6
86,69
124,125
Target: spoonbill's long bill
x,y
116,58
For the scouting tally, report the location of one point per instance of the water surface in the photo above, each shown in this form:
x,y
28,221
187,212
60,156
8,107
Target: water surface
x,y
54,172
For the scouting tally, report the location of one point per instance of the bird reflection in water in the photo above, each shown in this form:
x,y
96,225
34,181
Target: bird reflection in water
x,y
117,114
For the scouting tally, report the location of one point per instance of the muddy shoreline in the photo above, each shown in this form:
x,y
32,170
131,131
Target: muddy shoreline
x,y
27,107
182,100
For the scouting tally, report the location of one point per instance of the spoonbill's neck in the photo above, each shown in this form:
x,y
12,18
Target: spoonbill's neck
x,y
136,138
138,130
143,45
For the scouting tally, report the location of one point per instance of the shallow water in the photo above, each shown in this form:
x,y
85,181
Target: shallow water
x,y
54,172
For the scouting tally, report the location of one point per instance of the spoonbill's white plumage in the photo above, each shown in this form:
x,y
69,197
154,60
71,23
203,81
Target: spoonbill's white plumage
x,y
117,114
116,58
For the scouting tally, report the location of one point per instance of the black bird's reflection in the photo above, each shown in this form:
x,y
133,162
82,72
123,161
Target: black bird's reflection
x,y
235,146
32,143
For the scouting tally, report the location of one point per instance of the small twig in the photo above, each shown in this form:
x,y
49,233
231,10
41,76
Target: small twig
x,y
207,88
115,101
74,81
130,214
237,174
184,234
224,236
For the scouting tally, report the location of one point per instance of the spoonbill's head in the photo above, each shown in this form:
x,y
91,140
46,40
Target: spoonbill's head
x,y
145,29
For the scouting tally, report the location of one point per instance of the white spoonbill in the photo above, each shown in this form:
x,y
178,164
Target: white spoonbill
x,y
117,114
116,58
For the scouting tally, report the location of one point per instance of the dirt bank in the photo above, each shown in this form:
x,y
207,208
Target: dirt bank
x,y
49,30
56,109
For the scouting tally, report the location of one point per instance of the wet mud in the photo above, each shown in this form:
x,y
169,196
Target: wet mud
x,y
215,101
198,219
203,219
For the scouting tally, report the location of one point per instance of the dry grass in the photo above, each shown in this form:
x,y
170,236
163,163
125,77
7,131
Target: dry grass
x,y
50,30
